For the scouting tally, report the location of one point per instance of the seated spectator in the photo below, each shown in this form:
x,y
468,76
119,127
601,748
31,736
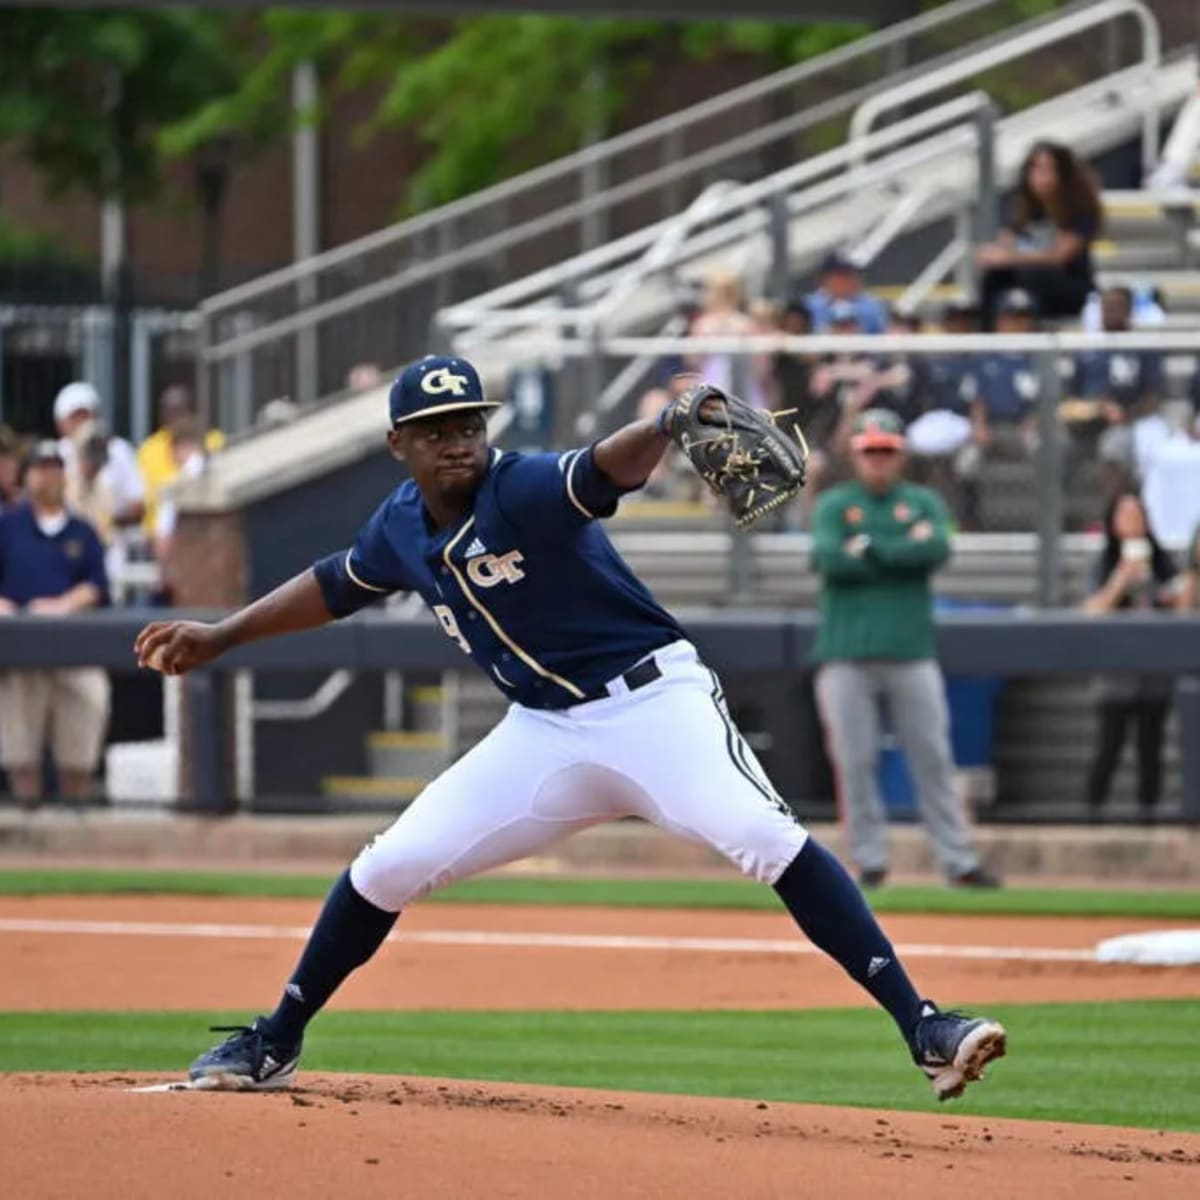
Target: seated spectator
x,y
1132,572
791,374
51,564
840,282
1171,487
1004,388
90,494
10,468
1118,391
722,316
673,477
833,384
897,382
156,457
362,377
944,428
766,318
76,412
1046,246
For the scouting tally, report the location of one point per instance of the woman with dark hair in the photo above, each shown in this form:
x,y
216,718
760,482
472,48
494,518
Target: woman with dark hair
x,y
1046,245
1132,572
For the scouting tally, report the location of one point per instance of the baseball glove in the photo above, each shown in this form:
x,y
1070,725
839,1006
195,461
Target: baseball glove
x,y
742,454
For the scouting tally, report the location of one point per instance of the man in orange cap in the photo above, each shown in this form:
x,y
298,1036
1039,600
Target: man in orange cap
x,y
876,541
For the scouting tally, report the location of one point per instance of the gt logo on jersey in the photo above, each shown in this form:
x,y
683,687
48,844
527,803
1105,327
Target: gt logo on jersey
x,y
491,569
443,380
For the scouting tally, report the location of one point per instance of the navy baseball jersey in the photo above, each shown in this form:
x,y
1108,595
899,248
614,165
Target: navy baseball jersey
x,y
1124,377
1008,385
527,582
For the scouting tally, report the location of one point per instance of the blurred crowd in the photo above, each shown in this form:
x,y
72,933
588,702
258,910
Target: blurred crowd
x,y
119,491
963,411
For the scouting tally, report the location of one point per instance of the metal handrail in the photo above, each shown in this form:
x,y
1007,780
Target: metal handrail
x,y
1074,21
740,198
672,124
1182,341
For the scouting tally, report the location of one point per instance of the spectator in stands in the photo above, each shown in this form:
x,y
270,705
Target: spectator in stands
x,y
1119,391
897,381
1005,388
834,383
673,477
1046,246
840,283
10,468
722,317
156,455
76,413
51,564
1133,572
1171,487
362,377
944,428
876,542
791,374
1188,599
766,319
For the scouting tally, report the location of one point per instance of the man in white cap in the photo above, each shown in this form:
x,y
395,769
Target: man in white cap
x,y
113,484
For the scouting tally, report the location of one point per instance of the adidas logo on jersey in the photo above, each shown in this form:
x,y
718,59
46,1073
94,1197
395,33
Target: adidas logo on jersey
x,y
476,547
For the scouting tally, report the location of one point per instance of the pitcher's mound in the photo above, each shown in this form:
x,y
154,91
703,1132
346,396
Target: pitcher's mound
x,y
381,1136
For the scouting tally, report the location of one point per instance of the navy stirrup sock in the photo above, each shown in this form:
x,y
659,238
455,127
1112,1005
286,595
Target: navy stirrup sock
x,y
348,931
827,904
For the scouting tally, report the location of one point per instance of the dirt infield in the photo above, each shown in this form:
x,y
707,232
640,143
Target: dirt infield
x,y
187,953
377,1137
70,1136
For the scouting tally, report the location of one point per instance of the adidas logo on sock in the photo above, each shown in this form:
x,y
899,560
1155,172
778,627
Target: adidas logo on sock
x,y
875,966
293,990
476,547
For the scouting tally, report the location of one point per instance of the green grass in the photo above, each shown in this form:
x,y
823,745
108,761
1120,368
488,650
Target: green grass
x,y
620,893
1133,1063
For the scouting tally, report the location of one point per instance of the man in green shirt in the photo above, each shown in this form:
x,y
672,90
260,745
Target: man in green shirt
x,y
876,541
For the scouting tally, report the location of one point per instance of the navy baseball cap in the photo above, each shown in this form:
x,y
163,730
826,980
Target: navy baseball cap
x,y
839,262
433,386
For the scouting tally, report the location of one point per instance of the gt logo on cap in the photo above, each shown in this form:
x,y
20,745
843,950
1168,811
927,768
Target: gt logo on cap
x,y
443,380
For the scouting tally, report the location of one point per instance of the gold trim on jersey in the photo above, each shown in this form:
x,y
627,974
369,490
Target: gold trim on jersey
x,y
570,473
362,583
525,657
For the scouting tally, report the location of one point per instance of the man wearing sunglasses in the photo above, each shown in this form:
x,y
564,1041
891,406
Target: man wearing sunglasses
x,y
876,542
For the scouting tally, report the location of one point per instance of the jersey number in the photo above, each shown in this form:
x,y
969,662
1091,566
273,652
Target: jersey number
x,y
450,626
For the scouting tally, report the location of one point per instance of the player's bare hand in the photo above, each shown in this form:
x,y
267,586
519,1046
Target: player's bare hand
x,y
175,647
922,531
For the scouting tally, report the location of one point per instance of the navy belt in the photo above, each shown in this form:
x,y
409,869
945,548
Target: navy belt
x,y
647,671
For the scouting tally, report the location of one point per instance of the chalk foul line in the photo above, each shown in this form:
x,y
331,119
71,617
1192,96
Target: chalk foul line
x,y
518,940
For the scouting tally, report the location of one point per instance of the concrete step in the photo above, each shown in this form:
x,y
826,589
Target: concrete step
x,y
407,754
383,793
423,703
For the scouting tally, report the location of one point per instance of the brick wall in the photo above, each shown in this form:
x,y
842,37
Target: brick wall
x,y
207,564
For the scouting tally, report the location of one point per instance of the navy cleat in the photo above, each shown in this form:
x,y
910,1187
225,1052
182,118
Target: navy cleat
x,y
952,1049
246,1061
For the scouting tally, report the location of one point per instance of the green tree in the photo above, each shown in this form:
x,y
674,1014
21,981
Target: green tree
x,y
488,96
85,94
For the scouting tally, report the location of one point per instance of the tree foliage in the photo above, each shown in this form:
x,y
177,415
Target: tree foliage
x,y
101,99
84,94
